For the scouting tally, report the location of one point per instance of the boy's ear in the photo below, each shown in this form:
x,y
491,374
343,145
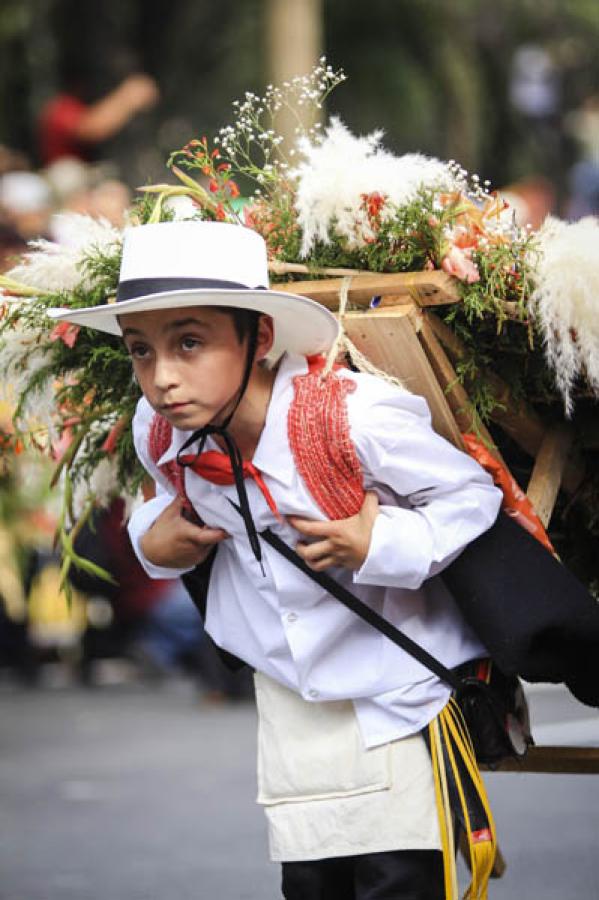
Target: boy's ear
x,y
265,337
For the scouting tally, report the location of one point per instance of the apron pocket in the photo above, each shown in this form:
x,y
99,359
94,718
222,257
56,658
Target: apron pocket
x,y
311,751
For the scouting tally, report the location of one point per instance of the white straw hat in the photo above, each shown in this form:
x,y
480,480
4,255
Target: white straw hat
x,y
181,264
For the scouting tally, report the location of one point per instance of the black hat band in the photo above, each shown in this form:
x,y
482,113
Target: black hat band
x,y
144,287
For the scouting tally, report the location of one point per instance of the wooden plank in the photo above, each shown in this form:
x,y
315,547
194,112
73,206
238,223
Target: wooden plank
x,y
518,420
555,761
546,477
453,389
425,288
391,344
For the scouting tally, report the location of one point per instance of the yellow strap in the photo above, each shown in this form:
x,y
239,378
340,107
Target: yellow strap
x,y
482,853
444,813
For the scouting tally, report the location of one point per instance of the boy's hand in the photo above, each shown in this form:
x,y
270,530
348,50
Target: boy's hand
x,y
175,543
344,542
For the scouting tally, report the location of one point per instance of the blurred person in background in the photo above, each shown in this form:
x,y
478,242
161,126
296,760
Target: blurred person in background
x,y
12,160
530,200
25,208
583,126
85,189
26,203
69,126
535,94
110,200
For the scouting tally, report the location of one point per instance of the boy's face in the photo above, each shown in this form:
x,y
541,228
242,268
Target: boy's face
x,y
189,362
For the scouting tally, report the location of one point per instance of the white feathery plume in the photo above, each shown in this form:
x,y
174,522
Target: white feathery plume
x,y
102,486
566,301
40,407
340,168
50,266
132,502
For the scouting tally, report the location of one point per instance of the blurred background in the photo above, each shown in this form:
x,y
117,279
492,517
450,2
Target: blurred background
x,y
93,98
509,89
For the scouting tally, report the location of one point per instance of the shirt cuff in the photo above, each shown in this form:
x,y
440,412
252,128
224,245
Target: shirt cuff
x,y
400,552
141,521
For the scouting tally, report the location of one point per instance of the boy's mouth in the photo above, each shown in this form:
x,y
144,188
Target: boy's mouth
x,y
173,407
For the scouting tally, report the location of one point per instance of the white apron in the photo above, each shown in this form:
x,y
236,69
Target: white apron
x,y
325,795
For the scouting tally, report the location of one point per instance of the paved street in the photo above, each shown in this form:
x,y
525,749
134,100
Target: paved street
x,y
131,793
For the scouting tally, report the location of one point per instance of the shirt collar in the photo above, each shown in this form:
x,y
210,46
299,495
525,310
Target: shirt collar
x,y
272,456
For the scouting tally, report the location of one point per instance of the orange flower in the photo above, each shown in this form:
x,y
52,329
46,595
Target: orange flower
x,y
109,445
233,189
220,213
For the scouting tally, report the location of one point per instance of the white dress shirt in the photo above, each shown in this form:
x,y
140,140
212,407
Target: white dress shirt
x,y
434,501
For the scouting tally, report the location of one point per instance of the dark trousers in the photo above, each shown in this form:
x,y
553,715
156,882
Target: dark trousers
x,y
399,875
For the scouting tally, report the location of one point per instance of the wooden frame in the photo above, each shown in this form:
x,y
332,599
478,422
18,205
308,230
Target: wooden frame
x,y
403,337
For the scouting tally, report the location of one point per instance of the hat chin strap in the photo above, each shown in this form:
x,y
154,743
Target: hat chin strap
x,y
233,452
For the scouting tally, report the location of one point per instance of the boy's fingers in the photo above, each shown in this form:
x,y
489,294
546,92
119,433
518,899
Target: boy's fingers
x,y
371,499
203,536
371,503
311,527
200,534
321,564
311,552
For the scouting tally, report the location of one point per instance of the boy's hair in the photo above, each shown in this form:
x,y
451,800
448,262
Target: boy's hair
x,y
245,321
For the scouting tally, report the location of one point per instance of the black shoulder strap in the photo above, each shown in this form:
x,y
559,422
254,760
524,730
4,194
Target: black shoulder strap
x,y
363,611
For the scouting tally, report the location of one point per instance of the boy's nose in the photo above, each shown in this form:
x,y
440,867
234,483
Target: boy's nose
x,y
165,375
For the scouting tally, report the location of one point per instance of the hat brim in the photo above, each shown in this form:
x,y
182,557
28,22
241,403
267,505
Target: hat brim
x,y
301,325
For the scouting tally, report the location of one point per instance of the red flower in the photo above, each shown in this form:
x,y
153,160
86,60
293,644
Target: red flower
x,y
213,186
65,332
374,203
220,213
233,189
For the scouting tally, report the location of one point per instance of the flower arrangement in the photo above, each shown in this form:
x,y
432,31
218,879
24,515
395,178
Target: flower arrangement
x,y
332,201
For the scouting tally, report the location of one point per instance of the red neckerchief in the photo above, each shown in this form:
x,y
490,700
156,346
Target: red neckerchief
x,y
215,467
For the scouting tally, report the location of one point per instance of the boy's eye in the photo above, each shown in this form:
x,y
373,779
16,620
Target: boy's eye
x,y
190,343
138,351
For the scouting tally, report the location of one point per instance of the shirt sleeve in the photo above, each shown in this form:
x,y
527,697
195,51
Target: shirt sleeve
x,y
145,515
435,499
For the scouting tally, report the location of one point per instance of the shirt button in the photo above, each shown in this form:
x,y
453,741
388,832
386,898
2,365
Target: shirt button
x,y
313,694
292,617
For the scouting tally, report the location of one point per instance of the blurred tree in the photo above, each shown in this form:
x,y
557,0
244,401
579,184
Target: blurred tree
x,y
437,74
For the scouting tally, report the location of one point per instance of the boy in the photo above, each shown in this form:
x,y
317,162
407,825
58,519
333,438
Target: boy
x,y
234,421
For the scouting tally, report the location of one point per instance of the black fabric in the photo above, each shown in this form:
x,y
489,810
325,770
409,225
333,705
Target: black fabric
x,y
534,617
145,287
396,875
